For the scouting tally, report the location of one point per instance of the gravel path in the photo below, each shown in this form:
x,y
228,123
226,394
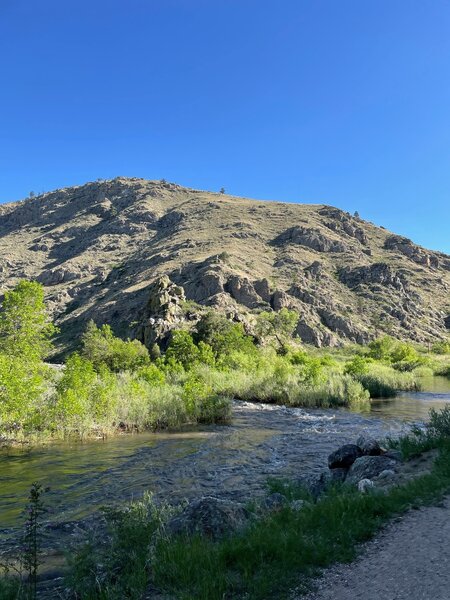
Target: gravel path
x,y
409,560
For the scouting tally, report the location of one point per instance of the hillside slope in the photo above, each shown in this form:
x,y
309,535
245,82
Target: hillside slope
x,y
102,250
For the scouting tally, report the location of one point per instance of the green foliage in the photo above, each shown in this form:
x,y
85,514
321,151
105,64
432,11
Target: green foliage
x,y
152,375
103,348
32,540
25,329
381,348
359,365
84,398
182,349
222,335
279,324
442,347
98,568
203,405
22,385
383,381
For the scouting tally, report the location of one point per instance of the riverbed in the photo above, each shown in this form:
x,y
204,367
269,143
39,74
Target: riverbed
x,y
232,461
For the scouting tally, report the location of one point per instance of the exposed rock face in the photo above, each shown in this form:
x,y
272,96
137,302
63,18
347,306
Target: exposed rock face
x,y
163,311
211,517
379,273
101,250
243,291
344,457
368,467
409,249
310,238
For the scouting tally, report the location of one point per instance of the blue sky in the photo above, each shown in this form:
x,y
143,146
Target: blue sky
x,y
344,102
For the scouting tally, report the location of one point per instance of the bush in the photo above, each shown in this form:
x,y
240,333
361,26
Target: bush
x,y
442,347
85,399
22,387
103,348
359,365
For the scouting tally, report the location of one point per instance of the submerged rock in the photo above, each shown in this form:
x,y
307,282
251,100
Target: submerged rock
x,y
209,516
344,456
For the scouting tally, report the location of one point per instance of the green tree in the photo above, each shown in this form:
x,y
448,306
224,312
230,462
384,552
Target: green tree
x,y
25,327
278,324
222,335
182,349
22,384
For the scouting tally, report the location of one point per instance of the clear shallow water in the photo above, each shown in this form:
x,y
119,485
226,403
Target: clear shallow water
x,y
230,461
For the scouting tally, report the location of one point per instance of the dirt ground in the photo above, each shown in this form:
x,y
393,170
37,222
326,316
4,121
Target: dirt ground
x,y
409,560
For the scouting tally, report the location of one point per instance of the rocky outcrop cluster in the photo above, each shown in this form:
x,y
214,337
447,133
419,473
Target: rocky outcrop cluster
x,y
310,238
163,312
415,253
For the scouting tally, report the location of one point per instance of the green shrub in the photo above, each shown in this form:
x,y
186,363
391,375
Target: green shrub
x,y
442,347
359,365
381,348
103,348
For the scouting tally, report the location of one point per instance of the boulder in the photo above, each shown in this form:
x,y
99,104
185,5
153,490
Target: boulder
x,y
365,485
394,455
337,475
344,457
369,446
209,516
274,502
368,467
316,485
386,474
242,290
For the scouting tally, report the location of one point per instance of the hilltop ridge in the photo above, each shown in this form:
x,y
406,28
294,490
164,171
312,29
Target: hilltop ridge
x,y
133,253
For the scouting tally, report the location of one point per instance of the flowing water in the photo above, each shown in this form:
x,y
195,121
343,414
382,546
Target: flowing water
x,y
231,461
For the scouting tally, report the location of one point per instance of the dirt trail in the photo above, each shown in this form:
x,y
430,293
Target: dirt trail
x,y
409,560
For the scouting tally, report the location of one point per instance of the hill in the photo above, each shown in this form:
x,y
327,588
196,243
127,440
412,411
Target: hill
x,y
144,256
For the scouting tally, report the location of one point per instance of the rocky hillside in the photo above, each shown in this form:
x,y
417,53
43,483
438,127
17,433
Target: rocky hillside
x,y
142,255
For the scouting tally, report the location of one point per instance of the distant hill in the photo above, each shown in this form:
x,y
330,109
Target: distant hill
x,y
142,255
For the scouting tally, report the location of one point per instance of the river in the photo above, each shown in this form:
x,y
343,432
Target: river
x,y
231,461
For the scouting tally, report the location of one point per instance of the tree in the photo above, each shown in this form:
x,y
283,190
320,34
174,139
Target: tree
x,y
222,335
222,190
25,327
182,349
279,324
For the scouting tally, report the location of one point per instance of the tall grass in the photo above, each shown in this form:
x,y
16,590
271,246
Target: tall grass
x,y
383,381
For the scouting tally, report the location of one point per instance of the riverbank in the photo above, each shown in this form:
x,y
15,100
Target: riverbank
x,y
279,525
217,549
